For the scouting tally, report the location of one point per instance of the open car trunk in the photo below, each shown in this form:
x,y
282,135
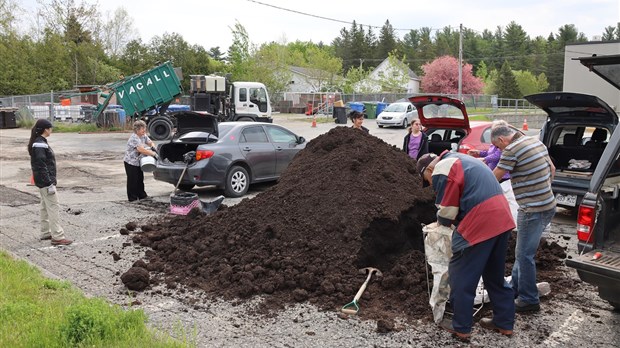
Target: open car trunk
x,y
193,129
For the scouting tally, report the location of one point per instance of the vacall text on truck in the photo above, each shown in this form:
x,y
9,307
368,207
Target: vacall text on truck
x,y
147,95
598,220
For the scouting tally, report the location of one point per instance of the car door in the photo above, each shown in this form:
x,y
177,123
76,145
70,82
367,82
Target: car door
x,y
286,146
411,114
258,152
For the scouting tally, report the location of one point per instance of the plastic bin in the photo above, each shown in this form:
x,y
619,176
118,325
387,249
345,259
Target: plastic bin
x,y
340,114
380,107
371,109
357,106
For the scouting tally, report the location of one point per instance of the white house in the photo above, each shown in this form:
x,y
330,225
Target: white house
x,y
308,80
577,78
386,72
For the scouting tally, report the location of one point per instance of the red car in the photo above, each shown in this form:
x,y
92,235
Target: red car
x,y
447,125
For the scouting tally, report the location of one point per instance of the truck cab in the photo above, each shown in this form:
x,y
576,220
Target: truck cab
x,y
250,101
598,220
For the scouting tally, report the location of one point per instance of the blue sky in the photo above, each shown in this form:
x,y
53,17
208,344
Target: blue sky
x,y
209,23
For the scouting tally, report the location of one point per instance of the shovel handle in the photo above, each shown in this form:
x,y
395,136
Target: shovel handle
x,y
362,288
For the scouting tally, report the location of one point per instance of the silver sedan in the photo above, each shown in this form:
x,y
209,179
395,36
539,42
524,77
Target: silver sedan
x,y
243,153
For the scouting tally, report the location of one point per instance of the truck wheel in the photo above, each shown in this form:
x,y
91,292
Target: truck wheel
x,y
237,182
160,128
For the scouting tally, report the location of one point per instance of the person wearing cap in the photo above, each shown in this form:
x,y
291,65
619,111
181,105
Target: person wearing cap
x,y
43,164
467,193
357,118
138,146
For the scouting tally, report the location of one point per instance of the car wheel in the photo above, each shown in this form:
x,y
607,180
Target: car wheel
x,y
160,128
237,182
380,126
404,125
186,187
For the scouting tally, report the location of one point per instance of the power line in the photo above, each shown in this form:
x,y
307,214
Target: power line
x,y
327,18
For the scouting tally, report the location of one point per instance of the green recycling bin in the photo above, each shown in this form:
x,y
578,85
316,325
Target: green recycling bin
x,y
371,109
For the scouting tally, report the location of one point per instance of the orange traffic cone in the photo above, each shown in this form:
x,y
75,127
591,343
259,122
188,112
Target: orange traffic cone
x,y
525,127
314,122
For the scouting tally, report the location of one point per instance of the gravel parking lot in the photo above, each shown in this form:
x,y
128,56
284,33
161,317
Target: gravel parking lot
x,y
94,209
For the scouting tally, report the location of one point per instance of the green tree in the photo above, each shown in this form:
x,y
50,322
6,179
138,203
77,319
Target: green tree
x,y
447,42
353,82
507,86
516,46
240,53
529,83
388,41
395,77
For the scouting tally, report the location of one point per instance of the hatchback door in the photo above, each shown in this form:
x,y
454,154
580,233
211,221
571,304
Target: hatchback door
x,y
258,152
564,108
441,112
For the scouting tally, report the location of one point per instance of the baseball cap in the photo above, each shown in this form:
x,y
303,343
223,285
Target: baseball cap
x,y
422,163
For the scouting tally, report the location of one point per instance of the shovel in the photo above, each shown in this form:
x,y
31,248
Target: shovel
x,y
187,158
353,307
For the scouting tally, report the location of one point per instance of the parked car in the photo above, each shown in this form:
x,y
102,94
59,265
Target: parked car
x,y
598,219
229,155
397,115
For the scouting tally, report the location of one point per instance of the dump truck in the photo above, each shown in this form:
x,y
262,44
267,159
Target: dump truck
x,y
147,95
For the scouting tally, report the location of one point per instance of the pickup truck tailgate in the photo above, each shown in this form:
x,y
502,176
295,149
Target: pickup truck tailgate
x,y
596,270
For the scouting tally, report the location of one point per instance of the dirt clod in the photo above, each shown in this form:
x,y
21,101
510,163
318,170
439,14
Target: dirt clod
x,y
136,278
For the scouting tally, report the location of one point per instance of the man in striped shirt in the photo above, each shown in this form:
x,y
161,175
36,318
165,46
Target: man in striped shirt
x,y
532,171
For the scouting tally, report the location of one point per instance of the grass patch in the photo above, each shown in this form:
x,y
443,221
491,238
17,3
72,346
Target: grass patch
x,y
40,312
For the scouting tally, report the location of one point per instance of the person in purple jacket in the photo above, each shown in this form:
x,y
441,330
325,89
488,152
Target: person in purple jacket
x,y
491,158
416,142
467,194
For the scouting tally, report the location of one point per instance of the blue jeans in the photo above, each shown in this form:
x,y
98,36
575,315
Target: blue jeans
x,y
486,259
530,228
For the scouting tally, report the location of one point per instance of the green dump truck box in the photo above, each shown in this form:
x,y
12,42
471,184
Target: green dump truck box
x,y
145,91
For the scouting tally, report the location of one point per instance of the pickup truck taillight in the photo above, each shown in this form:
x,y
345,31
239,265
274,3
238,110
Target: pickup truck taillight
x,y
203,154
585,223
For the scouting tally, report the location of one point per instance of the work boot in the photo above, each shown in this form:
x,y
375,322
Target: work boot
x,y
521,307
45,237
488,324
447,325
63,241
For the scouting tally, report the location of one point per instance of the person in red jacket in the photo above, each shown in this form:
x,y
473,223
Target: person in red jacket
x,y
43,164
467,195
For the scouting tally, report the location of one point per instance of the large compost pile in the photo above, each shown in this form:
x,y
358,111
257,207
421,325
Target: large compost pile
x,y
348,201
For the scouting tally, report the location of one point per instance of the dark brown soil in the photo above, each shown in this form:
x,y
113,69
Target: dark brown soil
x,y
347,201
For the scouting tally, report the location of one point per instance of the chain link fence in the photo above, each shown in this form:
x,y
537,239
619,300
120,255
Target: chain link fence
x,y
51,106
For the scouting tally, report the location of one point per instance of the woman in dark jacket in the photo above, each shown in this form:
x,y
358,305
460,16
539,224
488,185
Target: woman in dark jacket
x,y
43,165
416,142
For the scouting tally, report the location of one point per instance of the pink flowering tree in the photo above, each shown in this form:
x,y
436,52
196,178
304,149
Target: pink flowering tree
x,y
442,76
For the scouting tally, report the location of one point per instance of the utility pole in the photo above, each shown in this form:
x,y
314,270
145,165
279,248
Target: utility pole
x,y
461,62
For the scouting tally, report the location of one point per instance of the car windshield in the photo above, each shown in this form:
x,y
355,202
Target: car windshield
x,y
396,108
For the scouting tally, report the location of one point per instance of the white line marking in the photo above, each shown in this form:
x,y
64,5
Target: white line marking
x,y
80,243
563,334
